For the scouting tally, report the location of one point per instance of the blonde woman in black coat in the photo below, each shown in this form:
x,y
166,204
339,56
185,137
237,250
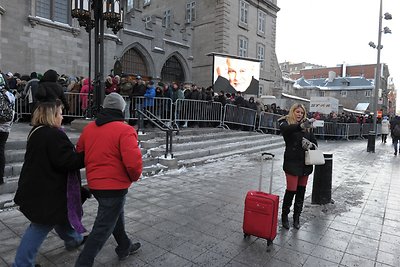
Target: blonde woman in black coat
x,y
44,183
295,129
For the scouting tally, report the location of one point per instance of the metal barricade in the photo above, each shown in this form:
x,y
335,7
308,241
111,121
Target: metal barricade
x,y
332,130
239,116
268,122
161,107
188,110
22,107
366,128
75,104
354,130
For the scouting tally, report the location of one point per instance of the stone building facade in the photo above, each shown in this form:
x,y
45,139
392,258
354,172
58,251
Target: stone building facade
x,y
31,42
161,39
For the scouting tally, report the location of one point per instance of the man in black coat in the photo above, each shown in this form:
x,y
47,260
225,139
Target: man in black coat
x,y
394,128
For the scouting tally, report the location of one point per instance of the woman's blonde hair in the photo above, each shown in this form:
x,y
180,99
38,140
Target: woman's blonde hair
x,y
46,113
291,117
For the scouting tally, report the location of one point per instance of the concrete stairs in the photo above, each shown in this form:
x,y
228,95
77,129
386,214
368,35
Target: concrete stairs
x,y
191,146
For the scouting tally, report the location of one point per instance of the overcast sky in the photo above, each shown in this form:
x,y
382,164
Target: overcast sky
x,y
330,32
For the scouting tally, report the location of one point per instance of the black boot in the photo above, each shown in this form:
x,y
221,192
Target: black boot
x,y
298,206
287,203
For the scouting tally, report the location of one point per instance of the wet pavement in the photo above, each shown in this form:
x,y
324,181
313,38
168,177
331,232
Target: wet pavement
x,y
193,217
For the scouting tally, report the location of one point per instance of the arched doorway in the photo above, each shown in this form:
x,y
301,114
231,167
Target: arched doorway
x,y
172,71
133,63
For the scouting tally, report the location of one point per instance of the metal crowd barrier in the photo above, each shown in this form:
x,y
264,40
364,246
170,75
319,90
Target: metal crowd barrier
x,y
268,122
187,110
161,107
184,110
22,107
239,116
332,130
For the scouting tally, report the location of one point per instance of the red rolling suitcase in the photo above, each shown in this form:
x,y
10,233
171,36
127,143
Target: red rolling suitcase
x,y
261,209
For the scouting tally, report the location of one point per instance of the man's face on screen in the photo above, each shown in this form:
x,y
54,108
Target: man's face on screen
x,y
238,74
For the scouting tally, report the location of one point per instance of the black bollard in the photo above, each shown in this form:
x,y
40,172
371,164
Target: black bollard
x,y
322,182
371,142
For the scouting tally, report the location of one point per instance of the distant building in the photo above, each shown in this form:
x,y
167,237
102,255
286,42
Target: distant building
x,y
292,70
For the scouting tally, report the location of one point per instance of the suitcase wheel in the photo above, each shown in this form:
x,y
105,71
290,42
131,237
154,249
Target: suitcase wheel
x,y
269,243
245,235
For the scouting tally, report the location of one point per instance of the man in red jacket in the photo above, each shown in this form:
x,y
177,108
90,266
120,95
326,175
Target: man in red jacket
x,y
113,162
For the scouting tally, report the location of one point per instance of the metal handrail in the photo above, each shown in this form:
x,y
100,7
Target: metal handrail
x,y
160,125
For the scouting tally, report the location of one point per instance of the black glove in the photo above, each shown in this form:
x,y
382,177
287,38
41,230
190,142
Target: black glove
x,y
85,193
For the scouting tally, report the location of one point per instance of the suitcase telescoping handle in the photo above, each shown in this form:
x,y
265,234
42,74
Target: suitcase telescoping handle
x,y
266,156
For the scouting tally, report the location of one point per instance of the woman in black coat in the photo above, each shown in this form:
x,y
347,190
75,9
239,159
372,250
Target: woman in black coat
x,y
50,159
295,128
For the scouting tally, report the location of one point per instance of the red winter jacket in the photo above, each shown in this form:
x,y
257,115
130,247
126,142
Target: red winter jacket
x,y
112,156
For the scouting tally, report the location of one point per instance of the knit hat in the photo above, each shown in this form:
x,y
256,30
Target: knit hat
x,y
114,101
50,76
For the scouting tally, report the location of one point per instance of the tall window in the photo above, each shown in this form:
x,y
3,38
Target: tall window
x,y
261,54
343,93
133,63
244,12
368,93
148,22
322,93
261,22
191,11
243,46
172,71
55,10
260,90
166,22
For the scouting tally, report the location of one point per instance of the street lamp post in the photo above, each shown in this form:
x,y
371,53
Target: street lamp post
x,y
372,136
92,14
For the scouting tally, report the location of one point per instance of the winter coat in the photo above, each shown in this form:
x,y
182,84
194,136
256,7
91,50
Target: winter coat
x,y
6,126
251,105
149,96
86,88
385,126
30,90
294,156
113,158
111,87
139,89
42,185
50,91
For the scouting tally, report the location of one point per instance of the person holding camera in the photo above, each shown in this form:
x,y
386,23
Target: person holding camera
x,y
295,129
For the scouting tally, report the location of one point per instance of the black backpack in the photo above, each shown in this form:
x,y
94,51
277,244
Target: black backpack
x,y
396,130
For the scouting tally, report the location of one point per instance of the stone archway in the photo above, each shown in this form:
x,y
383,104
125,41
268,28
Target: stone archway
x,y
172,71
133,63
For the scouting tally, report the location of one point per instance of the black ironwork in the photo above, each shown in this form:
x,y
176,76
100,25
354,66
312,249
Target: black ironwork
x,y
144,113
92,14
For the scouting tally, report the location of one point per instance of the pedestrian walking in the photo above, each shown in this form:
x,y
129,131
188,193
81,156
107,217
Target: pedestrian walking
x,y
113,161
295,129
395,133
385,129
44,185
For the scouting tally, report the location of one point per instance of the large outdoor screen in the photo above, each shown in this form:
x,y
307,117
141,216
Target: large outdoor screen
x,y
233,75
